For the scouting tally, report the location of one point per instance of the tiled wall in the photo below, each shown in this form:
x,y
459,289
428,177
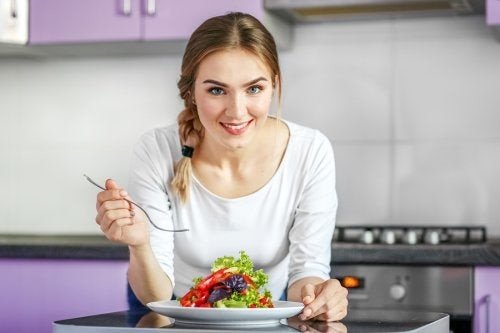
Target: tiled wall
x,y
412,106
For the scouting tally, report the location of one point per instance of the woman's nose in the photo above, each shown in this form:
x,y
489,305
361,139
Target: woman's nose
x,y
236,107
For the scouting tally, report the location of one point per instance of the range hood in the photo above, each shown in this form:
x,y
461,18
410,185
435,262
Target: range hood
x,y
303,11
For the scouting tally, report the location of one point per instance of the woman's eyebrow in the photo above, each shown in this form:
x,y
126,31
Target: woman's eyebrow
x,y
244,85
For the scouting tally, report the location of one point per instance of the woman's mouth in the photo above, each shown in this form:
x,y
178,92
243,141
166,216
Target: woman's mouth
x,y
236,128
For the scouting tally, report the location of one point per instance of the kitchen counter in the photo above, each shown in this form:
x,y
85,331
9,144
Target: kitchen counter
x,y
99,248
366,321
481,254
61,247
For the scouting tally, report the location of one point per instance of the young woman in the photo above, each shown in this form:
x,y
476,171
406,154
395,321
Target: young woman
x,y
236,177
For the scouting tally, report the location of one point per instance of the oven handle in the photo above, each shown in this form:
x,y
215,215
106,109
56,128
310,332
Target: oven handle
x,y
486,300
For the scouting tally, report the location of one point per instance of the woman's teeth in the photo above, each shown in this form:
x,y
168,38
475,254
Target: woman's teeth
x,y
235,126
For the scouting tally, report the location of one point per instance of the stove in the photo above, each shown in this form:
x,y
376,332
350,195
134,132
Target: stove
x,y
437,288
409,234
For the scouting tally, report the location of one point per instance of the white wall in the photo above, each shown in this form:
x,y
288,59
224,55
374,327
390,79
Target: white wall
x,y
412,106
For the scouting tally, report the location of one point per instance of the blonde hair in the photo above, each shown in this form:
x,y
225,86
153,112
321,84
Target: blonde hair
x,y
230,31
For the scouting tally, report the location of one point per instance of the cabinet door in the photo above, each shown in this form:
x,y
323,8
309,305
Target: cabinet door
x,y
36,292
178,19
486,280
493,12
68,21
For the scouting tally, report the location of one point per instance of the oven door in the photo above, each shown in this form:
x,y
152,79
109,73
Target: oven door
x,y
447,289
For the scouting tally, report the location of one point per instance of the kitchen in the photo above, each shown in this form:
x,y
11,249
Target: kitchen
x,y
409,103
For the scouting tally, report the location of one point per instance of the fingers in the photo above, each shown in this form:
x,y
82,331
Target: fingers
x,y
329,304
308,293
120,217
334,313
109,206
113,192
111,184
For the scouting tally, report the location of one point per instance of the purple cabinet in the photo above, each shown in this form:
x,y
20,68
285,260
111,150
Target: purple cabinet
x,y
71,21
487,299
493,12
36,292
74,21
178,19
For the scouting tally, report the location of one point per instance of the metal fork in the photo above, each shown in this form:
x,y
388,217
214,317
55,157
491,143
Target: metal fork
x,y
133,203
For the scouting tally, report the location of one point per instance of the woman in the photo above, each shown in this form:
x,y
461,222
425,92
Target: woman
x,y
243,180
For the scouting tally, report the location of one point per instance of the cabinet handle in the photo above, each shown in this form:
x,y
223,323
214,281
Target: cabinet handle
x,y
486,300
151,7
127,7
13,8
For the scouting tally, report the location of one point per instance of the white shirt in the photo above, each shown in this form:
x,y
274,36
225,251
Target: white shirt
x,y
286,227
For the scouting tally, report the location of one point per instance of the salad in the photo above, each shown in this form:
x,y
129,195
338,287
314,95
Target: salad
x,y
233,283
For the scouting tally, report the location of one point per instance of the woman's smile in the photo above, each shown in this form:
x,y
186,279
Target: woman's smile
x,y
236,128
233,93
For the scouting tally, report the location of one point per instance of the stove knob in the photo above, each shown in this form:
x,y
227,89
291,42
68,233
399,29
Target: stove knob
x,y
397,292
388,237
432,237
410,237
367,237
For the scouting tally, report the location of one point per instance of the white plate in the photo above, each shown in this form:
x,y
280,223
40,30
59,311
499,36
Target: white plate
x,y
227,316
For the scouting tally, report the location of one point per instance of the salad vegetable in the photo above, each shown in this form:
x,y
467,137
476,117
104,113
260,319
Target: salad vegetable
x,y
233,283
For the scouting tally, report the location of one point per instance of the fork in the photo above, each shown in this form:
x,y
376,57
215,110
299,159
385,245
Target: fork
x,y
133,203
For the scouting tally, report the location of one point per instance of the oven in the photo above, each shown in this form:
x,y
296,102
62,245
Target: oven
x,y
436,288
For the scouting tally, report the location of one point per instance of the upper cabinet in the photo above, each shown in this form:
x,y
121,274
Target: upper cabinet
x,y
47,22
73,21
167,19
493,12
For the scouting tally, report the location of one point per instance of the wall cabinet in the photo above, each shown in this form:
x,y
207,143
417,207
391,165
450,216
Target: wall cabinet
x,y
75,21
36,292
493,12
487,299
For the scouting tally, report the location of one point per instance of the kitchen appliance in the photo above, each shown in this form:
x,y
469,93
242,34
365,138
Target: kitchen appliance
x,y
334,10
438,288
410,234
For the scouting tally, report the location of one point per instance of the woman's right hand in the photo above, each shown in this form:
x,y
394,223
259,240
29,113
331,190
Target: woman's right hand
x,y
118,219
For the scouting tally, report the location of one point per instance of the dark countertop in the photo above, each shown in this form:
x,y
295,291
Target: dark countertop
x,y
99,248
366,321
61,247
481,254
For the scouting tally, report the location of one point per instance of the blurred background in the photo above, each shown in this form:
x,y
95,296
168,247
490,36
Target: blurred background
x,y
410,103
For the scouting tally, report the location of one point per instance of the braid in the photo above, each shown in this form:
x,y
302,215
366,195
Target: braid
x,y
190,133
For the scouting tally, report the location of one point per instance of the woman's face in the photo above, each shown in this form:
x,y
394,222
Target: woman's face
x,y
233,93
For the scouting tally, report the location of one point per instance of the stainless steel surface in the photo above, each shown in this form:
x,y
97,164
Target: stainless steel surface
x,y
429,288
127,7
133,203
151,7
330,10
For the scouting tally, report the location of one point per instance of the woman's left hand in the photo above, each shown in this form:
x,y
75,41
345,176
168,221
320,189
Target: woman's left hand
x,y
326,301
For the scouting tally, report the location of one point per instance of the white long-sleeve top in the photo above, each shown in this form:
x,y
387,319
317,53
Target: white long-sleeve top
x,y
286,227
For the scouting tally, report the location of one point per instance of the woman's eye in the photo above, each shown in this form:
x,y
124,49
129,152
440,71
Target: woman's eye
x,y
254,89
216,91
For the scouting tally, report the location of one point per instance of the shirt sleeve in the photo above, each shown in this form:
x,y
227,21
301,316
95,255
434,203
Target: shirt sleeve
x,y
312,231
147,186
